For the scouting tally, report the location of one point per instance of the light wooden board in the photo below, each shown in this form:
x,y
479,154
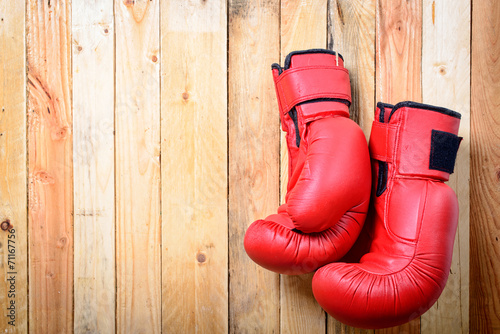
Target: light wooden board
x,y
485,155
194,167
446,82
398,72
398,51
50,167
351,32
13,195
93,161
254,44
137,165
303,26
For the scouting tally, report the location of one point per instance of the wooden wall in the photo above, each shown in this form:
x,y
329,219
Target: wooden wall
x,y
140,138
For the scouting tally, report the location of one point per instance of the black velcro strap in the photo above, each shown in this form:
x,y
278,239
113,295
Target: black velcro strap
x,y
444,147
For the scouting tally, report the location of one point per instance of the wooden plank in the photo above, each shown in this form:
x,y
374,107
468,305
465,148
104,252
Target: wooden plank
x,y
194,167
137,176
93,161
336,327
351,32
13,195
300,313
412,327
398,71
446,82
303,26
50,167
398,51
254,44
485,154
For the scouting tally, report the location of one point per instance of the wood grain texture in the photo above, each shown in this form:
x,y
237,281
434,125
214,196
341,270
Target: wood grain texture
x,y
13,195
398,51
300,312
50,167
254,41
303,26
446,82
485,168
351,32
93,163
137,124
412,327
194,167
398,72
336,327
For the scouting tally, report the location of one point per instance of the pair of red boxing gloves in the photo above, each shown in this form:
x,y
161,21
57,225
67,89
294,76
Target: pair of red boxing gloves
x,y
376,222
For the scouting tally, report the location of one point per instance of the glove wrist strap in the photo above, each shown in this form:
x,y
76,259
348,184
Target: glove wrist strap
x,y
298,85
420,140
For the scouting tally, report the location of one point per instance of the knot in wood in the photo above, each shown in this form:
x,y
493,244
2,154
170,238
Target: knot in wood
x,y
200,257
5,225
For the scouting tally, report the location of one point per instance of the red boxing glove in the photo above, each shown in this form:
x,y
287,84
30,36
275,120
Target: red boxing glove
x,y
412,222
329,176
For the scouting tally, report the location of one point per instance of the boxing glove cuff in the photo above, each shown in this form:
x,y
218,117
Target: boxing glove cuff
x,y
309,83
421,139
313,84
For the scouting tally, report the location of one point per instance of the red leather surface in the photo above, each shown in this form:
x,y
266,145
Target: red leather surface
x,y
328,187
411,229
312,82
